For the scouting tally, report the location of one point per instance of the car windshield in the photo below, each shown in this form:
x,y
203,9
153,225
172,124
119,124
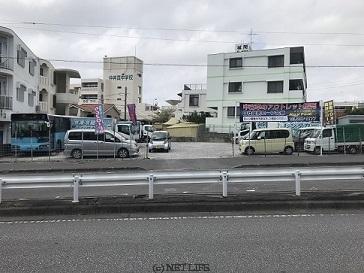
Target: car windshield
x,y
304,133
149,128
316,133
159,136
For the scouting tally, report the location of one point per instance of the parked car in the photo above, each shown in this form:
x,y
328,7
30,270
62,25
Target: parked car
x,y
160,140
239,136
84,142
300,135
268,141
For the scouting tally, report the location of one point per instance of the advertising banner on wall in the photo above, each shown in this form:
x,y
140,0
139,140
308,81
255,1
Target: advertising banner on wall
x,y
280,112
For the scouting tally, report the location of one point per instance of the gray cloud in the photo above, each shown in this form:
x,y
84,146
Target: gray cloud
x,y
164,82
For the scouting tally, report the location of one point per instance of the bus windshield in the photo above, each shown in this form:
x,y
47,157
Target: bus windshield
x,y
29,128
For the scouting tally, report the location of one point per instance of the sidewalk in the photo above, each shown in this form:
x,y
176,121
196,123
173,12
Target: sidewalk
x,y
107,164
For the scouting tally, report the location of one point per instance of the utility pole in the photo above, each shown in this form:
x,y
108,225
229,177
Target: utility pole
x,y
125,97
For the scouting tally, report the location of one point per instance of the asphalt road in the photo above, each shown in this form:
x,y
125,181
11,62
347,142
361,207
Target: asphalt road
x,y
183,189
264,242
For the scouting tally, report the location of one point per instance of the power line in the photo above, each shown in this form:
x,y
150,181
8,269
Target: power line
x,y
190,40
187,65
238,31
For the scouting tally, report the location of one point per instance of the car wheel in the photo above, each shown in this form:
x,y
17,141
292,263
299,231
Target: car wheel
x,y
249,151
288,150
353,150
76,154
123,153
317,150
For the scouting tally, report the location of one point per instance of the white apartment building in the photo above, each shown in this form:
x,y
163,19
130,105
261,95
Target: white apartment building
x,y
29,84
55,91
123,85
193,99
19,77
255,76
91,91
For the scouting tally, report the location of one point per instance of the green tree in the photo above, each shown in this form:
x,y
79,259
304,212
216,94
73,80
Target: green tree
x,y
197,117
355,111
163,116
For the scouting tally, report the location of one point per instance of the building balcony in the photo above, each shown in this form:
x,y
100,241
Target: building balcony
x,y
6,102
43,80
66,98
6,64
43,107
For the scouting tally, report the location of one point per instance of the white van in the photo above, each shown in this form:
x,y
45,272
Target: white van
x,y
84,142
268,141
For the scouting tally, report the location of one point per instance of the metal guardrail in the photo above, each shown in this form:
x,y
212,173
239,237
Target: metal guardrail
x,y
223,177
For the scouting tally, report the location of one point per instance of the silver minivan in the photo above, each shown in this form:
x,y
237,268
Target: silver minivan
x,y
84,142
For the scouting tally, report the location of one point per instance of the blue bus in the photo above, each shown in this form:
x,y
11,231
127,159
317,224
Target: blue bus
x,y
38,132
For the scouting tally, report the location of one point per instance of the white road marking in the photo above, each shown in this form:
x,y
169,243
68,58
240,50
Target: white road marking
x,y
176,218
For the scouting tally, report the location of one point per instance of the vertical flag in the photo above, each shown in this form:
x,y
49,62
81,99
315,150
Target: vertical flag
x,y
132,113
99,122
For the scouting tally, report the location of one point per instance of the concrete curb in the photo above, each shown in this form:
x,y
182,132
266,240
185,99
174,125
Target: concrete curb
x,y
178,203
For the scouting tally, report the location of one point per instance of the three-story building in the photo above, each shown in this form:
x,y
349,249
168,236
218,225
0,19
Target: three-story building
x,y
255,76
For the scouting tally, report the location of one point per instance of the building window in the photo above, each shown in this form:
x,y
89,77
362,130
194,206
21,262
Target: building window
x,y
139,90
3,86
296,84
275,87
89,97
32,65
139,100
20,93
276,61
41,71
231,111
21,54
235,87
54,77
54,101
194,100
89,84
31,96
297,55
235,62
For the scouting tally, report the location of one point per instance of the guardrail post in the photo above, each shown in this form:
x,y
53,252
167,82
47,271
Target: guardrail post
x,y
151,179
76,183
297,176
1,189
224,183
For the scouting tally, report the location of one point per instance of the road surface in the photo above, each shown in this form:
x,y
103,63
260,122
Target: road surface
x,y
319,241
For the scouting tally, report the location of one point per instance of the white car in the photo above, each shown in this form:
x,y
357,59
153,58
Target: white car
x,y
160,140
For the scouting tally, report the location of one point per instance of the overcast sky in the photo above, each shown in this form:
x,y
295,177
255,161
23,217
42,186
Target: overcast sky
x,y
150,19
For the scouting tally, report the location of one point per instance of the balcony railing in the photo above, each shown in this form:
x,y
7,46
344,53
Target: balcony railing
x,y
43,107
6,63
44,80
6,102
